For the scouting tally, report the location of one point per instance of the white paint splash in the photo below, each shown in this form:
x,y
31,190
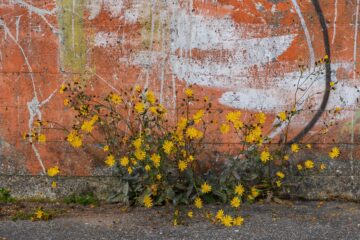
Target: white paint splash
x,y
232,71
114,7
94,7
106,39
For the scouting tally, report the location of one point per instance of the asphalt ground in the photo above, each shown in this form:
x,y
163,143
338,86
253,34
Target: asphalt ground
x,y
284,220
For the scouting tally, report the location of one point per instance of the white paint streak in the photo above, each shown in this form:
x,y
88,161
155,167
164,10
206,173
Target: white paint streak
x,y
17,26
307,34
31,8
335,20
356,36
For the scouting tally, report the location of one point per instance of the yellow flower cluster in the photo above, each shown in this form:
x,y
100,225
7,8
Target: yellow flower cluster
x,y
228,220
254,135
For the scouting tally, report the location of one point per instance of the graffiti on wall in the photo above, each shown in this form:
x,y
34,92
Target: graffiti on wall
x,y
244,54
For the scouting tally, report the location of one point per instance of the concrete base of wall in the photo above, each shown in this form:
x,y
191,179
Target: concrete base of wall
x,y
37,187
338,181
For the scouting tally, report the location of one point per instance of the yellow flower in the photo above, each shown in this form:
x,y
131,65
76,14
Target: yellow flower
x,y
322,166
153,110
280,174
193,133
53,171
224,128
147,201
168,146
106,148
140,107
155,158
39,214
140,154
260,117
282,116
147,168
198,203
87,126
110,160
286,157
233,116
265,156
137,88
150,97
299,167
190,214
130,170
191,158
181,125
198,116
53,184
41,138
62,88
227,221
219,214
254,192
74,139
66,102
238,221
182,165
137,143
116,99
334,153
278,183
337,109
295,148
235,202
124,161
238,125
309,164
239,190
158,177
189,92
308,146
332,84
205,188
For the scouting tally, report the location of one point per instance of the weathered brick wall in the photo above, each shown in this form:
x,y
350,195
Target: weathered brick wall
x,y
243,54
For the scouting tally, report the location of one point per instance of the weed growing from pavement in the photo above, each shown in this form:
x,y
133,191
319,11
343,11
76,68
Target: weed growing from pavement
x,y
164,161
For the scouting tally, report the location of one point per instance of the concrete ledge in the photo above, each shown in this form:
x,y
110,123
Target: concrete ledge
x,y
26,186
313,187
317,187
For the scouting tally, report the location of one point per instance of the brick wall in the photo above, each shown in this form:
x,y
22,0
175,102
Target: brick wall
x,y
242,54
